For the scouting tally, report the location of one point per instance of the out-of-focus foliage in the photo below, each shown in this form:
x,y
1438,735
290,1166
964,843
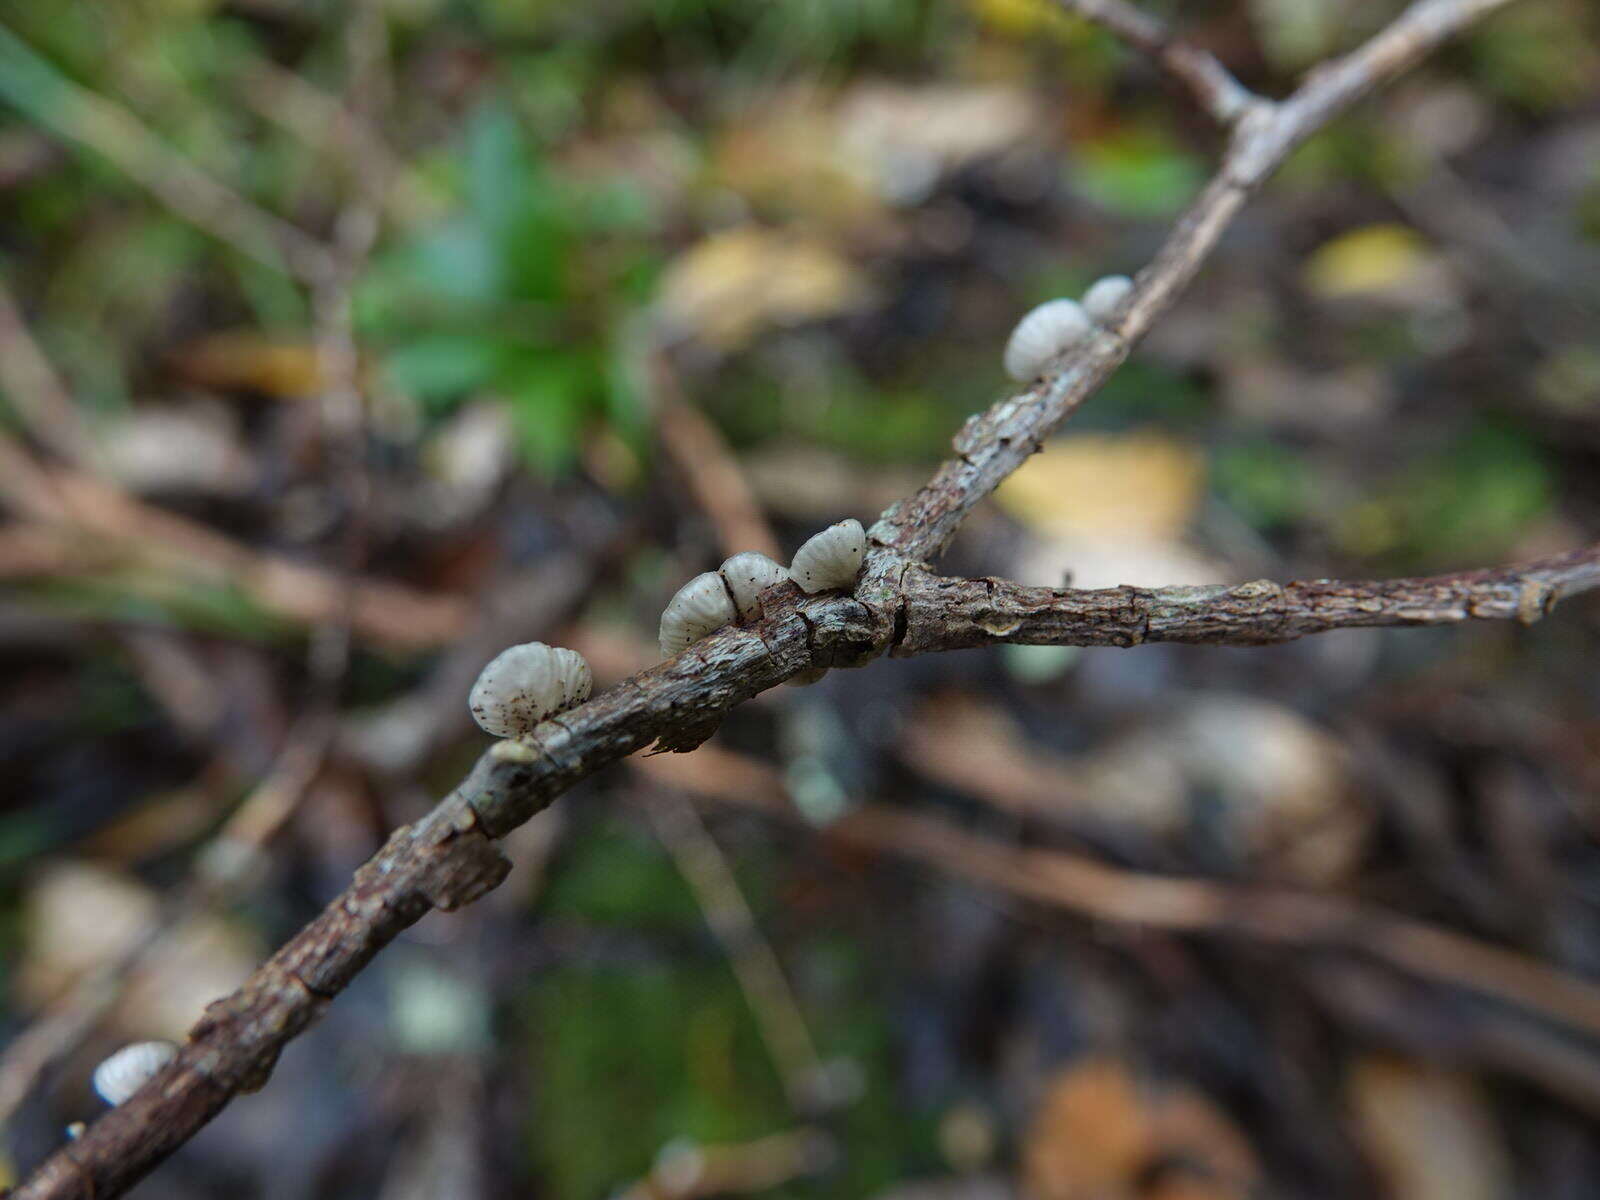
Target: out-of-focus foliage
x,y
525,294
635,1054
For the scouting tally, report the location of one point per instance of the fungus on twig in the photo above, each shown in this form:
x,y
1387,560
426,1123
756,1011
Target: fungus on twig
x,y
527,684
1042,334
747,575
698,607
1105,295
130,1068
830,559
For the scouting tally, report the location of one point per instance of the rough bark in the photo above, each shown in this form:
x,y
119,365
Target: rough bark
x,y
949,614
995,443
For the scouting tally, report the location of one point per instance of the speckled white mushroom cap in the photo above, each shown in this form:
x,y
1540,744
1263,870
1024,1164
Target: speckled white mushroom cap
x,y
830,559
527,684
701,605
747,575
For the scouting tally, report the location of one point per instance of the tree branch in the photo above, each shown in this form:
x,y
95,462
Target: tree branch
x,y
448,859
1212,84
993,444
950,614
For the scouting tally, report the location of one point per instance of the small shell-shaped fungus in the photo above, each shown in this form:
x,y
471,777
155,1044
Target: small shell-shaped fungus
x,y
577,681
130,1068
830,559
701,605
525,684
747,576
1103,297
1041,335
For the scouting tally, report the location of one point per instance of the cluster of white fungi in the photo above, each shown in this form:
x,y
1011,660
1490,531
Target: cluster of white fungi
x,y
1055,326
525,685
528,684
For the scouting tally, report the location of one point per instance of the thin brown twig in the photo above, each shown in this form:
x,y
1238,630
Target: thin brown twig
x,y
224,866
72,504
1187,905
35,390
1283,917
328,126
27,486
690,1172
1222,96
942,613
995,443
755,964
449,859
706,464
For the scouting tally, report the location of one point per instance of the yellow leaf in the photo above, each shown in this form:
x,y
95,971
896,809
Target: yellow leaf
x,y
730,286
1141,485
246,359
1026,18
1376,259
786,160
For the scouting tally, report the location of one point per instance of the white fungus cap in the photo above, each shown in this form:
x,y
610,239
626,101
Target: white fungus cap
x,y
525,684
830,559
576,679
1105,295
701,605
748,575
1041,335
130,1068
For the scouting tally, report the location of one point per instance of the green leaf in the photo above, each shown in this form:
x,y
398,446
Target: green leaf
x,y
1139,175
457,262
498,169
1263,482
445,365
551,396
534,253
